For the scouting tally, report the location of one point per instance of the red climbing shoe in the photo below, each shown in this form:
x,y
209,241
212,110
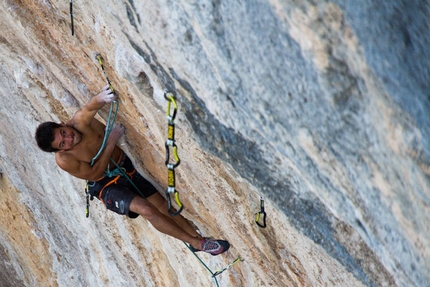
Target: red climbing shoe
x,y
215,247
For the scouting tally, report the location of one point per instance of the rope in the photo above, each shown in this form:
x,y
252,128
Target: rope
x,y
214,274
109,125
113,111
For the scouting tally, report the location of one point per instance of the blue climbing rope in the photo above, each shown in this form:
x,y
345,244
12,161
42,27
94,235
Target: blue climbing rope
x,y
109,125
214,274
112,112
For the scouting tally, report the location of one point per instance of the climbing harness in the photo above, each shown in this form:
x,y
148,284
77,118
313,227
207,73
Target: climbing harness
x,y
261,212
71,17
214,274
170,144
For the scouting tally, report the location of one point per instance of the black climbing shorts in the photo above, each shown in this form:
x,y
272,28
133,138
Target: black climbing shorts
x,y
117,193
118,199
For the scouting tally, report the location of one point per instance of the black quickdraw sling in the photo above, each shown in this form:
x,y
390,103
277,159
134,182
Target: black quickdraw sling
x,y
71,18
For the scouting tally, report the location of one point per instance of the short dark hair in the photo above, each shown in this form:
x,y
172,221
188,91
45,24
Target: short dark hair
x,y
45,136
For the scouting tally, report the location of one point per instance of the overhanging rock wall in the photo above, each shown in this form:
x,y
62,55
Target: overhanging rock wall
x,y
320,108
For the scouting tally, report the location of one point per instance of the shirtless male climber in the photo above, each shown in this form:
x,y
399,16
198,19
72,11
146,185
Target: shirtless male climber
x,y
76,142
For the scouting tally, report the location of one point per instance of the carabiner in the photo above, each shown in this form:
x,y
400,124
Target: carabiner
x,y
169,201
261,212
170,98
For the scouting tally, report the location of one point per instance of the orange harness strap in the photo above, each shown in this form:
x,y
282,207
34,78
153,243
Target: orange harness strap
x,y
107,184
114,181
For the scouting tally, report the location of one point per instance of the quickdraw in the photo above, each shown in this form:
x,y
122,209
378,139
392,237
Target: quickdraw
x,y
87,197
238,259
100,59
170,143
261,212
71,17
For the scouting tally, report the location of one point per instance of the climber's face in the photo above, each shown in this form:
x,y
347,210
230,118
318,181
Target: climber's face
x,y
66,138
